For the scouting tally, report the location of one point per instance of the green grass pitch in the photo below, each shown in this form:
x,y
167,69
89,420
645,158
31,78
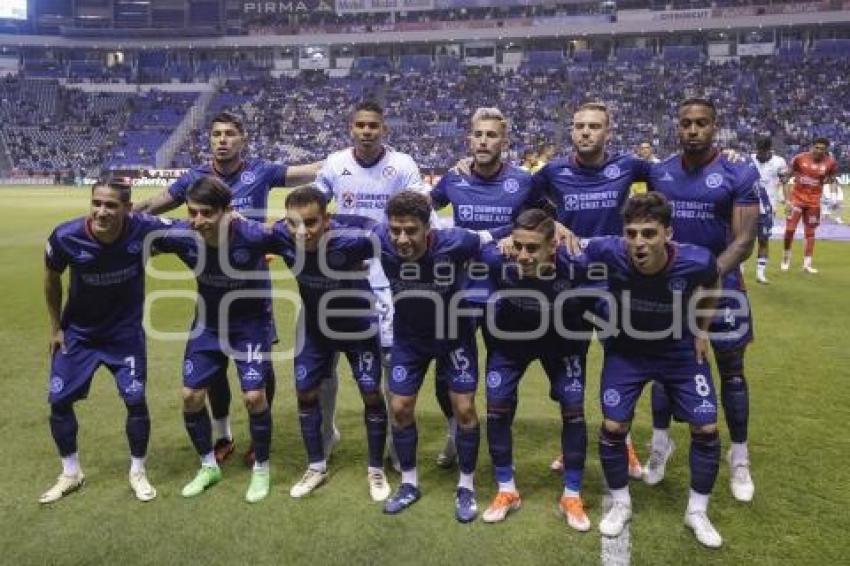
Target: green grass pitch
x,y
797,371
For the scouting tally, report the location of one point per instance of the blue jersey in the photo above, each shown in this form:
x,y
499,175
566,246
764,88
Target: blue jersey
x,y
439,273
248,244
484,203
107,281
250,185
703,199
342,253
646,302
589,200
518,312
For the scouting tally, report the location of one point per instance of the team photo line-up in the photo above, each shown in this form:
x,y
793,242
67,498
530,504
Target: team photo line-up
x,y
550,257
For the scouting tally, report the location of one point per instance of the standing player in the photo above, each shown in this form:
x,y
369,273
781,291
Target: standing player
x,y
488,198
589,189
530,162
332,322
525,318
232,320
644,151
648,276
426,270
773,171
101,324
250,181
361,179
715,205
811,171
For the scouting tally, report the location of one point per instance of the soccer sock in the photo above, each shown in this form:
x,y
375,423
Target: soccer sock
x,y
704,460
375,417
405,441
739,454
466,481
221,428
271,384
622,495
499,439
209,460
761,265
736,405
260,425
261,466
441,390
219,395
807,259
410,477
138,428
327,401
63,428
200,430
310,418
697,502
451,428
319,466
468,441
71,464
137,465
574,448
662,413
615,460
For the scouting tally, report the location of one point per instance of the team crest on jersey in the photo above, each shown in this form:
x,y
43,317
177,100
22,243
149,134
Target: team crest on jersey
x,y
714,180
571,202
494,379
300,373
188,367
465,212
240,256
667,176
612,171
134,248
388,172
611,398
348,199
247,177
510,185
399,374
677,284
56,384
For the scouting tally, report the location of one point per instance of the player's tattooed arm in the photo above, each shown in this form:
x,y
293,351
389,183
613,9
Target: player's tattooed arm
x,y
705,313
303,174
744,224
157,204
53,299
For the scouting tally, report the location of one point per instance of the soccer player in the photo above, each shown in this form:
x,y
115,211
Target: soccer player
x,y
425,269
334,320
773,171
811,171
250,181
644,151
232,320
522,330
648,276
715,205
529,161
101,324
361,179
589,188
488,198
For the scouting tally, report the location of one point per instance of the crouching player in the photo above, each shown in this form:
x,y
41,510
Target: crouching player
x,y
335,319
232,320
520,329
101,324
650,277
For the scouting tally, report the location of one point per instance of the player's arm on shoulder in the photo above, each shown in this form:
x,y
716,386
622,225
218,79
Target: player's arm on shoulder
x,y
53,300
302,174
159,203
744,226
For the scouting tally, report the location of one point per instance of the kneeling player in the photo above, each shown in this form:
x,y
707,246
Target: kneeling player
x,y
650,277
531,284
334,319
101,325
233,320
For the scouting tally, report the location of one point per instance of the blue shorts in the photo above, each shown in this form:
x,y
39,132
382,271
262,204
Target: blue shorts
x,y
688,384
456,362
316,359
205,357
563,361
731,330
71,371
